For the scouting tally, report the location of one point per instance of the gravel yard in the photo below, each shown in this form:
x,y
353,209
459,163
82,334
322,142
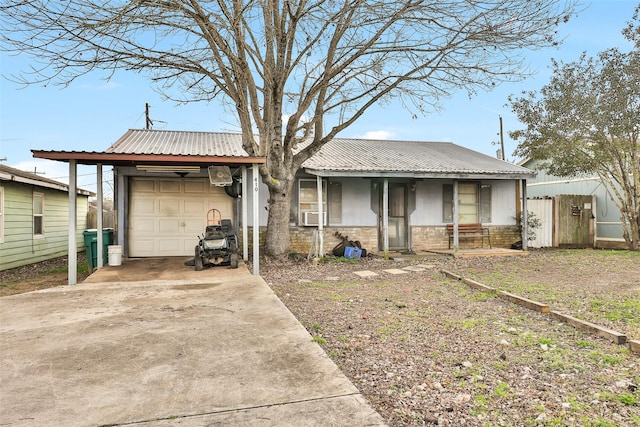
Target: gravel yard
x,y
428,350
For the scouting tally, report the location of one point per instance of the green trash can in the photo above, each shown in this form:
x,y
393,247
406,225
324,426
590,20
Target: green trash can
x,y
91,243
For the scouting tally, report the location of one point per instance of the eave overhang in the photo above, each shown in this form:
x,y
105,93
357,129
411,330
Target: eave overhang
x,y
122,159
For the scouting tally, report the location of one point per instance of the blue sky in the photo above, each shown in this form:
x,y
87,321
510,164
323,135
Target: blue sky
x,y
91,114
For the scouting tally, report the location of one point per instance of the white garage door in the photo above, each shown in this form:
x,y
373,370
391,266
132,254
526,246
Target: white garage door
x,y
166,215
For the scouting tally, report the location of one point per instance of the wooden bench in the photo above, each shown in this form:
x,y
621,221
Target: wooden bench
x,y
469,231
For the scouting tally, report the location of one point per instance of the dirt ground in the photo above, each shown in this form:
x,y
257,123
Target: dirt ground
x,y
42,275
428,350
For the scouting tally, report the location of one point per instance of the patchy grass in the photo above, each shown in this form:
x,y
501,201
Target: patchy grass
x,y
424,349
599,286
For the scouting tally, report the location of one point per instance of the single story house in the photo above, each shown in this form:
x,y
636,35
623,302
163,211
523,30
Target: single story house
x,y
547,192
34,217
417,181
389,195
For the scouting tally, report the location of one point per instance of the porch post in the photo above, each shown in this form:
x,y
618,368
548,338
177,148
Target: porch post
x,y
525,217
456,220
245,217
72,256
385,217
99,214
320,217
256,220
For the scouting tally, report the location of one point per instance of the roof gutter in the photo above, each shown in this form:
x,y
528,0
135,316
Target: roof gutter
x,y
421,175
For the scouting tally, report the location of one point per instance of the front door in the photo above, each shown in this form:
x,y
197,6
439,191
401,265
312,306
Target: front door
x,y
397,217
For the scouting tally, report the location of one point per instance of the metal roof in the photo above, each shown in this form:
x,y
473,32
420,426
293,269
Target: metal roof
x,y
16,175
179,143
407,158
339,157
161,147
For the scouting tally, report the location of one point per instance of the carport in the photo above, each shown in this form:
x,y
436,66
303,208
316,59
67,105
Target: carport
x,y
160,153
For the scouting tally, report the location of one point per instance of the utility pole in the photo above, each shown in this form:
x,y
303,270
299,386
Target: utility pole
x,y
146,113
501,139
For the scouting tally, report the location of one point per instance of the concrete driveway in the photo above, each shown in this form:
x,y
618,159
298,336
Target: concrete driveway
x,y
153,342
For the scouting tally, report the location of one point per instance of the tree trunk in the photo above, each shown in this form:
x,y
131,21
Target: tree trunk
x,y
630,232
634,240
276,243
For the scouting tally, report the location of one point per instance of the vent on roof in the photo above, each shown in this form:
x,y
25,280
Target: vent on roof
x,y
220,176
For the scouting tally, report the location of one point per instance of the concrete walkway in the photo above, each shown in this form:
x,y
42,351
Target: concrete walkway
x,y
215,347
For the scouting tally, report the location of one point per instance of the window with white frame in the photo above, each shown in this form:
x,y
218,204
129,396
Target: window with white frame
x,y
1,214
38,215
308,211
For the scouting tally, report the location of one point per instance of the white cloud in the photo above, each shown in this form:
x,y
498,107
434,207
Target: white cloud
x,y
109,85
57,171
378,134
285,119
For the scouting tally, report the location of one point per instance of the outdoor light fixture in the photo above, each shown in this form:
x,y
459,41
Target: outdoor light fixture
x,y
220,176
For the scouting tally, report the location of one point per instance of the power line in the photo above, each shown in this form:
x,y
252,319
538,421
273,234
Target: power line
x,y
82,174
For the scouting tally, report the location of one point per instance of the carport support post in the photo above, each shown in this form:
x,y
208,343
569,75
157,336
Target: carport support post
x,y
320,218
99,214
123,194
256,219
72,255
245,216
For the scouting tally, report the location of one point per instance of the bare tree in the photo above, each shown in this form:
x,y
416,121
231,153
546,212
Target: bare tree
x,y
320,63
587,120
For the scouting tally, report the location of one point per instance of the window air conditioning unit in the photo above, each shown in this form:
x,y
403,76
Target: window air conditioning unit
x,y
220,176
311,219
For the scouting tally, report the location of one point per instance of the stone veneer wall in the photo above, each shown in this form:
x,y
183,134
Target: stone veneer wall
x,y
504,236
301,237
423,238
436,238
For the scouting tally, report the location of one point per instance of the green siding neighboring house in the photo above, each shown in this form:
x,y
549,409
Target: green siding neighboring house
x,y
34,218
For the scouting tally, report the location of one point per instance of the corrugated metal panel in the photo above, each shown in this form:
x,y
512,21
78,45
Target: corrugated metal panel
x,y
179,143
340,154
343,154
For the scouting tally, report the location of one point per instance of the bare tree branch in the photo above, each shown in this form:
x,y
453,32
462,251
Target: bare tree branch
x,y
320,63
